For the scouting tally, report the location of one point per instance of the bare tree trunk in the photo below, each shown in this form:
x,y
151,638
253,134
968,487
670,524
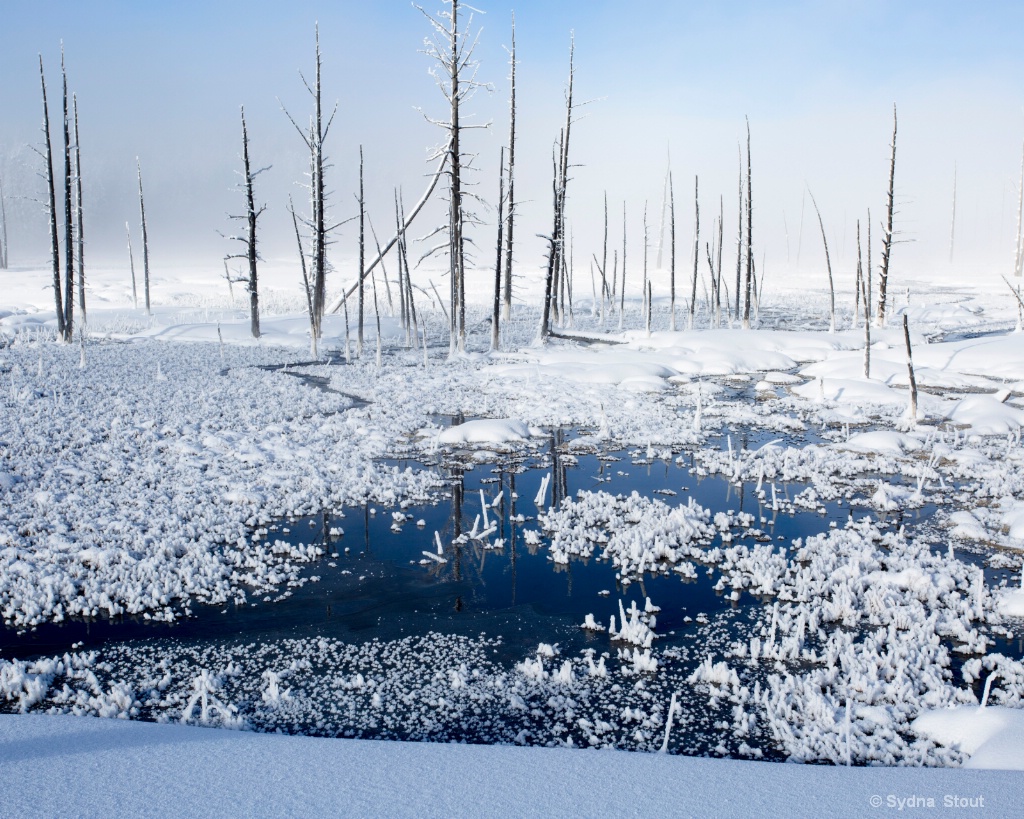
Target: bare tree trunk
x,y
739,237
496,312
672,254
79,225
69,221
362,259
622,293
145,240
302,259
456,245
557,239
511,174
58,295
605,293
828,265
750,238
696,249
883,273
910,372
404,257
718,271
646,306
131,264
865,290
251,214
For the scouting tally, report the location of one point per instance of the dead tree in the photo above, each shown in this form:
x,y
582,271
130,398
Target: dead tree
x,y
453,50
362,261
718,266
828,265
696,248
557,239
912,409
496,312
511,199
145,240
672,253
646,306
622,292
79,224
750,239
883,272
252,213
131,264
739,236
52,207
314,139
69,220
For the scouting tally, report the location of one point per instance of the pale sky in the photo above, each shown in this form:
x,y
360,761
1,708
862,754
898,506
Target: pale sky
x,y
163,81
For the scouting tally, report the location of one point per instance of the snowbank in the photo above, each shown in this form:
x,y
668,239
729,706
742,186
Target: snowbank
x,y
93,767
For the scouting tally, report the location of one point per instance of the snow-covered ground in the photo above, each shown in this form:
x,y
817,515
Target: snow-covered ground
x,y
141,465
56,766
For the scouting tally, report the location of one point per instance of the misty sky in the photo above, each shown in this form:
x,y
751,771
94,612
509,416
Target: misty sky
x,y
163,82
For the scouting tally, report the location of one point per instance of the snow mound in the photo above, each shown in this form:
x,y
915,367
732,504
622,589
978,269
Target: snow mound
x,y
986,415
990,735
884,442
486,431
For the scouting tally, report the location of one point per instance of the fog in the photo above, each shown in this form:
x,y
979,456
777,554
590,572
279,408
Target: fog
x,y
664,84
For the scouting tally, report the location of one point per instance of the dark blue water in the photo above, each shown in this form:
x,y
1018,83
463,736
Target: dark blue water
x,y
372,584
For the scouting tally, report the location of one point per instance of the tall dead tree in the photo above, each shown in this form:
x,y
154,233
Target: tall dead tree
x,y
252,213
496,312
510,211
556,241
696,248
883,271
145,240
362,260
453,49
69,219
748,278
739,236
79,224
672,253
58,295
622,292
314,138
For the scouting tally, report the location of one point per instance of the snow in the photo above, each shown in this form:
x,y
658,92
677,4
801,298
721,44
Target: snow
x,y
138,473
990,735
92,767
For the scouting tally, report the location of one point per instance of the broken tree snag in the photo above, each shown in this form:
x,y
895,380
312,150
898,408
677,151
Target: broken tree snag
x,y
828,265
883,272
145,239
910,372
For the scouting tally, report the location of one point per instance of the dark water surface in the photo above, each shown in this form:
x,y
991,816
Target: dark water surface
x,y
375,583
